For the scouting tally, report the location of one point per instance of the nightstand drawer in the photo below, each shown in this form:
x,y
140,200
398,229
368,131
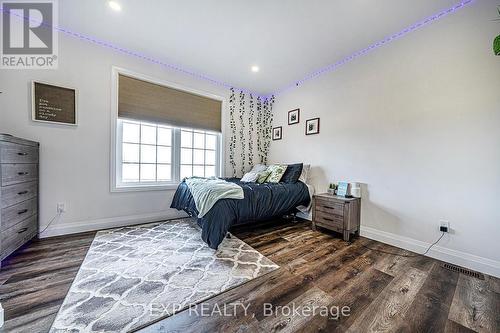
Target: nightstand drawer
x,y
333,227
329,219
329,207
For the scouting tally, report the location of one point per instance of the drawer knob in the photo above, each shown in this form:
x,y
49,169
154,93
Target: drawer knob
x,y
22,192
22,173
22,230
24,211
22,154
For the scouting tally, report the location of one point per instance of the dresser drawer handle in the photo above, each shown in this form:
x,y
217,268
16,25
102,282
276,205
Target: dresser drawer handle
x,y
24,211
326,218
22,192
330,207
22,173
22,230
22,154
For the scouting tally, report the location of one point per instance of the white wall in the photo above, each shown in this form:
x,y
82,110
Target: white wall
x,y
418,122
75,161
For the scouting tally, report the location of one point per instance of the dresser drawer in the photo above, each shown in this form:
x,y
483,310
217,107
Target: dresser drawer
x,y
16,153
18,173
15,214
17,235
14,194
329,219
330,207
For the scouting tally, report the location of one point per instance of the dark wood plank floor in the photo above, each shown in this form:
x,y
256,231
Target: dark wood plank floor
x,y
384,293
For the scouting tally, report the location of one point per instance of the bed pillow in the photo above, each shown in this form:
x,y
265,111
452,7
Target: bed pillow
x,y
262,176
304,176
254,174
276,172
250,177
292,173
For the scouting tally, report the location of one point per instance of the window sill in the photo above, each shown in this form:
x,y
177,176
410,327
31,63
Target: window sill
x,y
144,188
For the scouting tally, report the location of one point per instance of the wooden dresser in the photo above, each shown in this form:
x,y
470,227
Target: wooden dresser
x,y
337,213
18,193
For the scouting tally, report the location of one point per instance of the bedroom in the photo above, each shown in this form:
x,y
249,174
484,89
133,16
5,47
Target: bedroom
x,y
393,103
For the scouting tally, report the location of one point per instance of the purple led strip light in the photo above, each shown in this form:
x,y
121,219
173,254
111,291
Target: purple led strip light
x,y
385,41
131,53
280,91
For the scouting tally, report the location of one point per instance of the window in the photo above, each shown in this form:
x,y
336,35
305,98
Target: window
x,y
151,154
162,133
198,154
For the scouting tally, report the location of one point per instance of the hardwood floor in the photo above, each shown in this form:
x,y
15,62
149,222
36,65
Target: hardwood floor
x,y
35,279
384,293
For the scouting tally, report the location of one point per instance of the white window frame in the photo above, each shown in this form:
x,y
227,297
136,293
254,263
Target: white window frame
x,y
116,139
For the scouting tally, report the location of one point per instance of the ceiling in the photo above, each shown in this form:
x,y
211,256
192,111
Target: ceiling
x,y
222,39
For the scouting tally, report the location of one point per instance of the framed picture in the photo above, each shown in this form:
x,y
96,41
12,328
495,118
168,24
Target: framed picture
x,y
342,189
277,133
53,104
312,126
294,117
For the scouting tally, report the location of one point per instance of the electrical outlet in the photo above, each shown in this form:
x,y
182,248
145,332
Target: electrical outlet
x,y
444,225
61,207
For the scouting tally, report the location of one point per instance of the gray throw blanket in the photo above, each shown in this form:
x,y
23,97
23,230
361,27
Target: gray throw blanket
x,y
207,191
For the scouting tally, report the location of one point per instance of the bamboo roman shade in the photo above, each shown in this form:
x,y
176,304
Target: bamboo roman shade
x,y
141,100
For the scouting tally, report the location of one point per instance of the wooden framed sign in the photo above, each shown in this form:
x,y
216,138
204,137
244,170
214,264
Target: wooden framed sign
x,y
53,104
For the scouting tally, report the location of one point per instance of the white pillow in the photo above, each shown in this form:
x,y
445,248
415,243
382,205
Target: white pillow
x,y
253,175
304,176
250,177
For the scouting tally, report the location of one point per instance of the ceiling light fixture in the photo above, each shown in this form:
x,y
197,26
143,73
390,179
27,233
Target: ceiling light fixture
x,y
255,69
115,6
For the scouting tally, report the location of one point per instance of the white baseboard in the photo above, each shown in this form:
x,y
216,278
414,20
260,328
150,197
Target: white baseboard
x,y
106,223
480,264
484,265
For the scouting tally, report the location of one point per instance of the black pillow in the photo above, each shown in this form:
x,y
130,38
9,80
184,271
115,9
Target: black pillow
x,y
292,173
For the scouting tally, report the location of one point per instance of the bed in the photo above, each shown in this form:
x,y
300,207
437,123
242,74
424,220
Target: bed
x,y
261,202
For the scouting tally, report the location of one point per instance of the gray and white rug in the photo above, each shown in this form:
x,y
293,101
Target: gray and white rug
x,y
133,275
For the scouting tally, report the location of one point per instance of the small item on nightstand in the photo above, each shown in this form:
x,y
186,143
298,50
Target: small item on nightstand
x,y
337,213
355,190
332,188
342,189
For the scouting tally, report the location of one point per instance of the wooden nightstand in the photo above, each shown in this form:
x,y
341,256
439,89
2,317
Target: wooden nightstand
x,y
336,213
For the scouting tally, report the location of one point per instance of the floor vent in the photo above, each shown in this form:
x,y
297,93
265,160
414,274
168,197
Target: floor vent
x,y
465,271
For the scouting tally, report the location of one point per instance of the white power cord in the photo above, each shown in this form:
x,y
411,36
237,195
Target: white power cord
x,y
407,255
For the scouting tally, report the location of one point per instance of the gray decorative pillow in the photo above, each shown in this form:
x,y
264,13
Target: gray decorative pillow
x,y
277,171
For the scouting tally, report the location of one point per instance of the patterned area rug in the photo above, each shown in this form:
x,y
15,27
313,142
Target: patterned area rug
x,y
133,275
